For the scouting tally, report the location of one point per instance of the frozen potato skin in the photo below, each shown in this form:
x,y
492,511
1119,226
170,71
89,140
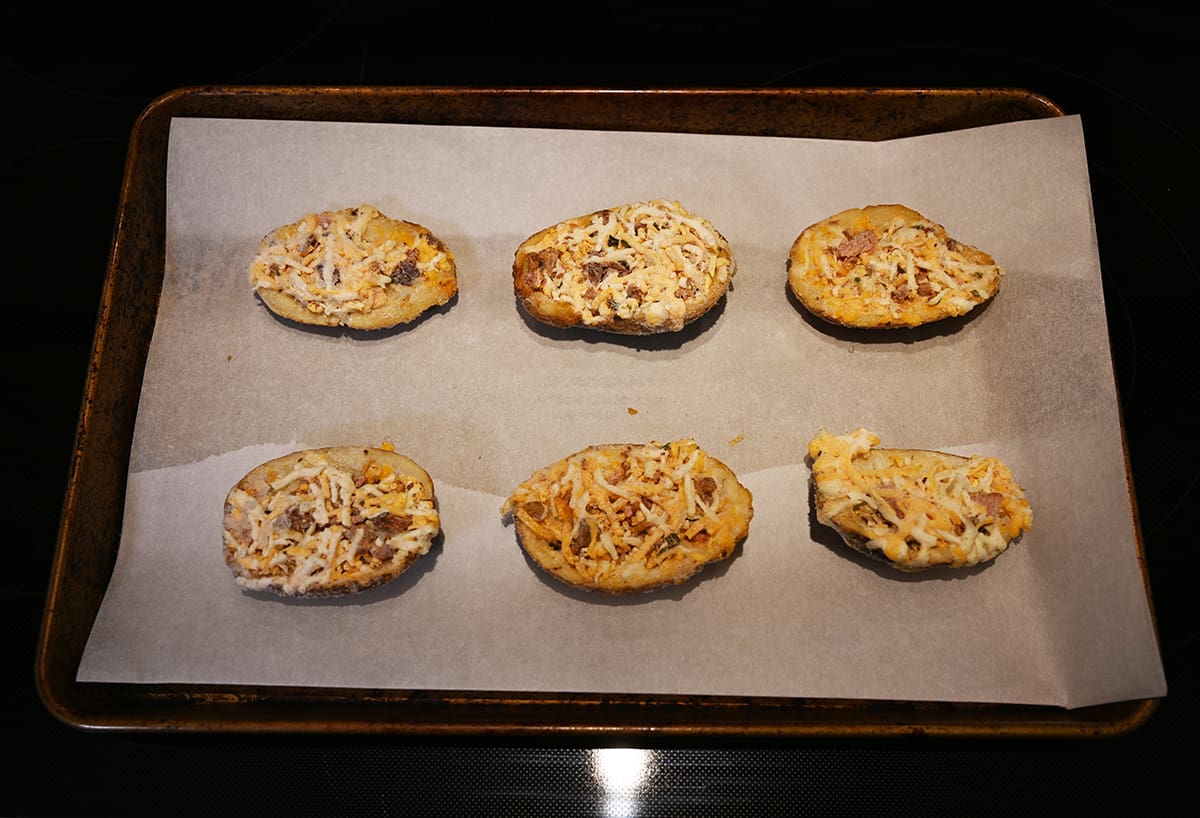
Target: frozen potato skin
x,y
355,267
328,522
887,266
630,517
640,268
916,509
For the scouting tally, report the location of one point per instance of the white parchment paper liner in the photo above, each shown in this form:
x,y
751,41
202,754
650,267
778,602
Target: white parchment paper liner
x,y
481,396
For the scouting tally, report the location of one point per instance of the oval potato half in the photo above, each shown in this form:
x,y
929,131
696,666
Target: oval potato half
x,y
637,269
916,508
328,521
887,266
629,517
354,267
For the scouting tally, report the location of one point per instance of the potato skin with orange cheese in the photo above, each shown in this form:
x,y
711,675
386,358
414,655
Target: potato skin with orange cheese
x,y
329,521
887,266
631,517
355,267
916,509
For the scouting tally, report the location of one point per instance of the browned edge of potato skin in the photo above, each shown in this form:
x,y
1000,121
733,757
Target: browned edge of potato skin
x,y
352,459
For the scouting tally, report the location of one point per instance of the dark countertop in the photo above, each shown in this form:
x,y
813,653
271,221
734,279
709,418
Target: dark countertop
x,y
75,90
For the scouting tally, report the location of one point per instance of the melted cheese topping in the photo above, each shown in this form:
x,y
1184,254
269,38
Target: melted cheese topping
x,y
645,262
320,523
901,275
611,507
916,511
339,263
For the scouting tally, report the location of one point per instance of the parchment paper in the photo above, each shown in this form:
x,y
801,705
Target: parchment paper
x,y
482,396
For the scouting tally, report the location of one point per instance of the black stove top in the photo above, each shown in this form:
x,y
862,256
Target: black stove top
x,y
75,89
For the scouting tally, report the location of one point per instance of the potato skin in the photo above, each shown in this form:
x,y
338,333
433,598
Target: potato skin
x,y
416,272
358,461
915,509
532,506
594,271
853,269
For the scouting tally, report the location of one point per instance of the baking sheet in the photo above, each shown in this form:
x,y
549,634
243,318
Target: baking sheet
x,y
482,397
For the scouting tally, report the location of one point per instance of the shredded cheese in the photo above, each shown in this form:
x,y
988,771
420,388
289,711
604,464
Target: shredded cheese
x,y
645,262
616,510
338,263
320,524
916,509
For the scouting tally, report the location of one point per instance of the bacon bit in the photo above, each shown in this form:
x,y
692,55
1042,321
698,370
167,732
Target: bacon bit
x,y
639,526
389,523
895,504
406,272
294,519
597,271
864,241
539,266
582,537
924,288
990,500
631,410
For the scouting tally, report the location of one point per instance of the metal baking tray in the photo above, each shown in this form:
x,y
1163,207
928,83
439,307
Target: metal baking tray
x,y
89,530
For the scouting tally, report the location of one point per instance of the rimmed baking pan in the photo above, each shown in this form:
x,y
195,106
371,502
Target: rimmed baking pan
x,y
92,511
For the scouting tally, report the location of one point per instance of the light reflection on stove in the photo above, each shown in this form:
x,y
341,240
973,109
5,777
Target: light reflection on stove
x,y
621,773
